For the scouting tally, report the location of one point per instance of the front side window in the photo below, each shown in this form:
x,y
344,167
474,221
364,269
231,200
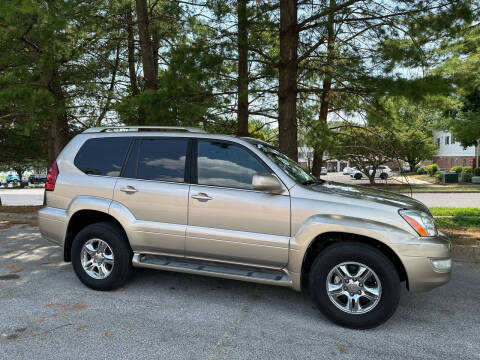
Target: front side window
x,y
102,156
227,165
157,159
290,167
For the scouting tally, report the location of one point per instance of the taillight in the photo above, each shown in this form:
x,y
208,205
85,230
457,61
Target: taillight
x,y
51,177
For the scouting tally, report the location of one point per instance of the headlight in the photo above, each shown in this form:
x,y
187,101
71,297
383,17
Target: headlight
x,y
421,222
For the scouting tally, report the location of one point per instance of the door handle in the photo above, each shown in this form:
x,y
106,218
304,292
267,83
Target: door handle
x,y
128,189
201,197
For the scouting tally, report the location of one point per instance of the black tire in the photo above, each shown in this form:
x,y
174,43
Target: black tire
x,y
118,242
383,176
375,260
358,176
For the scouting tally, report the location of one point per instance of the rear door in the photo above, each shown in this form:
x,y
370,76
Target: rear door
x,y
227,219
154,187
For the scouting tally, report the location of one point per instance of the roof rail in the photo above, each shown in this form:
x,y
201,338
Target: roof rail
x,y
143,128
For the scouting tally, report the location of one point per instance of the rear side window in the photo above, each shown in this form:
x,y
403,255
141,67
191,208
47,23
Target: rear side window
x,y
227,165
102,156
158,159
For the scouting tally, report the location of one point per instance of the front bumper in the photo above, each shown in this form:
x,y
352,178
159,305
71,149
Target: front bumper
x,y
417,259
52,223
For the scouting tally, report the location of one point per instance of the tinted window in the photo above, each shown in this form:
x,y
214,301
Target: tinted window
x,y
223,164
158,159
103,156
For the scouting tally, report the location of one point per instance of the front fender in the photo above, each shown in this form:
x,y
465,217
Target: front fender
x,y
317,225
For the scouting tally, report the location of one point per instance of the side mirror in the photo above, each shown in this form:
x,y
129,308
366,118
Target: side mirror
x,y
267,183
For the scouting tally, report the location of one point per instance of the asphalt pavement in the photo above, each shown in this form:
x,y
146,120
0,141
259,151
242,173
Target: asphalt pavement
x,y
46,313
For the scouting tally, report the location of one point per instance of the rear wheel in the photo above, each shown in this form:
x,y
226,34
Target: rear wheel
x,y
358,176
101,256
383,176
355,285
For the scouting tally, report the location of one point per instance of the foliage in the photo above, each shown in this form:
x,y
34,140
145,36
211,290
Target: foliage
x,y
466,177
410,125
455,211
432,169
421,170
363,146
457,169
476,171
467,169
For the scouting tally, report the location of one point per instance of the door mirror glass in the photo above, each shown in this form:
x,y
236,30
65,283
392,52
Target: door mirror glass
x,y
267,183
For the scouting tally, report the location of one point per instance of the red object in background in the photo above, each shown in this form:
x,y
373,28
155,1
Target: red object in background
x,y
51,177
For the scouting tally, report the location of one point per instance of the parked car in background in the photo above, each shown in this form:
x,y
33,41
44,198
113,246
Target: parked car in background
x,y
323,171
236,208
12,179
383,172
36,179
348,170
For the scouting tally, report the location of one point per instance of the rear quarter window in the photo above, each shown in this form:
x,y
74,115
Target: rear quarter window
x,y
102,156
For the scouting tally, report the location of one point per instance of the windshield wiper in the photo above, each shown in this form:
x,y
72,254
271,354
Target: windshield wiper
x,y
312,182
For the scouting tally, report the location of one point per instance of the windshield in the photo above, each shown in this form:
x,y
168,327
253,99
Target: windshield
x,y
290,167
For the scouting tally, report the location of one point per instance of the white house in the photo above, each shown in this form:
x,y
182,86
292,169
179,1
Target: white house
x,y
451,153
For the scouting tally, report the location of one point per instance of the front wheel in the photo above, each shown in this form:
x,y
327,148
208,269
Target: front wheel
x,y
102,257
358,176
355,285
383,176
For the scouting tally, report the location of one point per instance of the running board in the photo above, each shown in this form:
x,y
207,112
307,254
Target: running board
x,y
210,268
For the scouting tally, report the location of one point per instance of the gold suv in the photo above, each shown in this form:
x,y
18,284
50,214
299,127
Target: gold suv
x,y
183,200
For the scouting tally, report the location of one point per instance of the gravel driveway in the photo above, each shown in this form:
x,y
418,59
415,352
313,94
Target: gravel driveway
x,y
46,313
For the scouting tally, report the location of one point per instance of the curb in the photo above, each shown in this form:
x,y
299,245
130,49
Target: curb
x,y
466,253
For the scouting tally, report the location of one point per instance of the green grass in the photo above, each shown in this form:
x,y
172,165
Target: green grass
x,y
455,218
455,211
427,188
456,222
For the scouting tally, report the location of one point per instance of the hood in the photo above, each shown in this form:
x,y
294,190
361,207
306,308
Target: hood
x,y
369,194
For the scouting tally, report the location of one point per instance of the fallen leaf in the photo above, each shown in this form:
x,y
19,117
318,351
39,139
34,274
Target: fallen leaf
x,y
14,271
108,334
79,306
80,327
341,349
55,304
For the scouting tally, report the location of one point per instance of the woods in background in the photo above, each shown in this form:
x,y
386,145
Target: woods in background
x,y
275,69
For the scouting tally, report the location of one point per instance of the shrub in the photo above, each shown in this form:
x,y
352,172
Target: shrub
x,y
432,169
457,169
420,170
476,171
438,176
467,169
466,177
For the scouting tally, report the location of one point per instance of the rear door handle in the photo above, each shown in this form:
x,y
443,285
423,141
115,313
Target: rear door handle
x,y
201,197
128,189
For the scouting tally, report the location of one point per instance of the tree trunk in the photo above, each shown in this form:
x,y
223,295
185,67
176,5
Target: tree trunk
x,y
131,51
412,164
58,134
20,175
287,82
146,45
327,85
317,163
242,80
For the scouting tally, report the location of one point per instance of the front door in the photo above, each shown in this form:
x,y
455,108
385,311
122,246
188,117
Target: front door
x,y
154,188
227,219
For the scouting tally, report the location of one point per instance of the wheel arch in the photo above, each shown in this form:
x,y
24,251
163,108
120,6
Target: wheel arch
x,y
326,239
79,220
